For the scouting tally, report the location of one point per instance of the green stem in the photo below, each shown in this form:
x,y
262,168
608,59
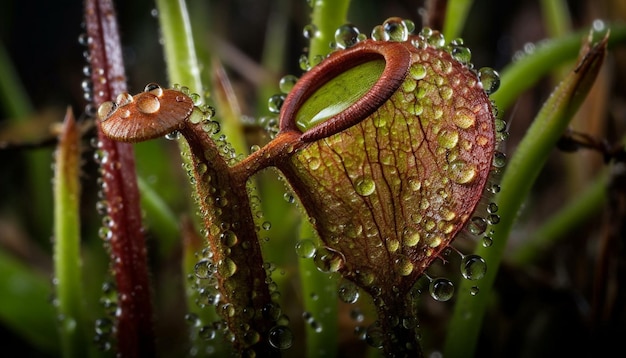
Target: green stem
x,y
582,207
456,14
178,43
327,16
161,220
527,71
319,291
556,17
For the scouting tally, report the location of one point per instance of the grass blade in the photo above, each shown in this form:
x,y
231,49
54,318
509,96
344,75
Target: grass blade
x,y
67,261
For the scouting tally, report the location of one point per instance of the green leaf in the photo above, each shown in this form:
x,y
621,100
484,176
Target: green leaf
x,y
67,260
26,306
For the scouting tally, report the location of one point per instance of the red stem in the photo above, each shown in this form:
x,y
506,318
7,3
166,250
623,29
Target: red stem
x,y
135,330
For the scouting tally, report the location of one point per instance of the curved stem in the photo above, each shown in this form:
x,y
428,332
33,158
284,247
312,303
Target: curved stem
x,y
230,229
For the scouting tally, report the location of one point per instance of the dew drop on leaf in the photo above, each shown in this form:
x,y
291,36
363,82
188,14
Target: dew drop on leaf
x,y
404,265
148,104
474,290
305,248
461,172
464,118
365,186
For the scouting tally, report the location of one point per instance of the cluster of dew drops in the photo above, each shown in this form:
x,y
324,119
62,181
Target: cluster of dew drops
x,y
472,267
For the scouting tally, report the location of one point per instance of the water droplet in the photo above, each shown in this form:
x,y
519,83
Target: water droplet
x,y
599,25
461,173
473,267
404,265
148,104
275,102
207,333
251,337
494,189
395,27
499,159
175,135
287,82
379,33
328,260
461,54
411,236
196,99
314,163
441,289
464,118
348,292
106,109
375,336
203,269
271,311
415,183
103,326
477,225
280,337
305,248
410,25
123,99
289,198
417,71
489,79
487,241
474,290
393,245
365,277
309,31
346,36
447,138
105,233
84,39
365,186
436,39
154,88
228,238
493,219
226,267
492,208
303,61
